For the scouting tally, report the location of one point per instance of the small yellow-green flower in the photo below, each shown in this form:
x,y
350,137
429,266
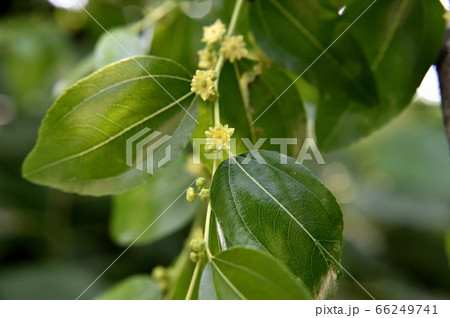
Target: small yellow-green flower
x,y
207,59
203,84
218,138
214,32
233,48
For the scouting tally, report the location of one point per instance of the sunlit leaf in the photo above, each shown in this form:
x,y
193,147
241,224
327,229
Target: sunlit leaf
x,y
82,140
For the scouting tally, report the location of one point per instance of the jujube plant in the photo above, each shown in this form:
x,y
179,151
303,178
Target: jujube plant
x,y
263,226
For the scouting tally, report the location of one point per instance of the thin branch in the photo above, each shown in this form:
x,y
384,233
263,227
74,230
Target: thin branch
x,y
443,67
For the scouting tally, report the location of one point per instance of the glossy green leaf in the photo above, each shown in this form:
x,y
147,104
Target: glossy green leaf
x,y
241,273
280,207
82,140
295,33
244,96
137,287
400,51
368,76
156,203
107,50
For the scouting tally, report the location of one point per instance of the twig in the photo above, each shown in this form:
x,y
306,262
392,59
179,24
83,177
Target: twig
x,y
443,68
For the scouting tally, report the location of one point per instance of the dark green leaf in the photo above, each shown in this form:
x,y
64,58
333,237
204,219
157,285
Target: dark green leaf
x,y
241,273
178,37
137,287
369,75
295,33
245,95
82,140
282,209
153,203
400,51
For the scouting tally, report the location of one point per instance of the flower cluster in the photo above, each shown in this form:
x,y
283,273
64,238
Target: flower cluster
x,y
203,193
198,248
232,47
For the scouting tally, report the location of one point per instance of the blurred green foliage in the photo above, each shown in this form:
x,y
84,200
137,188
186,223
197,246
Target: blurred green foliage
x,y
393,186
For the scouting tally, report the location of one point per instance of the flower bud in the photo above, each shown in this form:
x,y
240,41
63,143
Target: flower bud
x,y
204,194
191,195
197,245
193,256
200,183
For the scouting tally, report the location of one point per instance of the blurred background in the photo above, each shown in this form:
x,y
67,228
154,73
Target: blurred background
x,y
394,187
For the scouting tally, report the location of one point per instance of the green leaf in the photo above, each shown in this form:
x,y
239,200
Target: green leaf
x,y
241,273
405,45
245,95
295,33
281,208
364,81
82,140
137,287
107,50
178,37
133,212
400,50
